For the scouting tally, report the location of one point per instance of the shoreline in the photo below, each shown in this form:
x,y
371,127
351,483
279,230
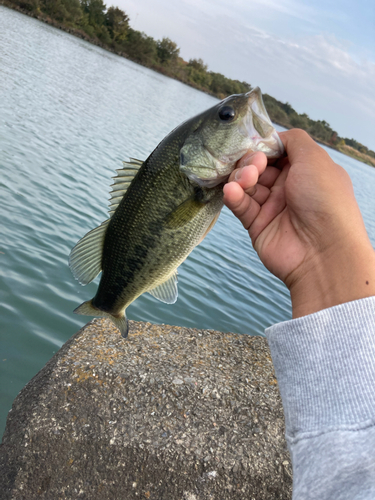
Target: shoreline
x,y
80,33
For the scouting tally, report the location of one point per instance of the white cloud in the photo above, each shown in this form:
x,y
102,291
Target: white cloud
x,y
316,74
279,45
242,9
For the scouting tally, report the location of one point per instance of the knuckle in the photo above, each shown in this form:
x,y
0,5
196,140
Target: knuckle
x,y
300,133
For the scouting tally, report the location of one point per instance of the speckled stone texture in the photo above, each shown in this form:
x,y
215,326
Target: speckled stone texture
x,y
170,414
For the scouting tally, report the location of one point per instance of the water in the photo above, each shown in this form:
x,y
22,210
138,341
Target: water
x,y
69,114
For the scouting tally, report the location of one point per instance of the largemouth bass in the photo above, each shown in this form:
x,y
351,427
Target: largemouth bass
x,y
161,208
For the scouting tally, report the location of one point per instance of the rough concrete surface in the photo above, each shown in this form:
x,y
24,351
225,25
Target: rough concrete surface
x,y
170,414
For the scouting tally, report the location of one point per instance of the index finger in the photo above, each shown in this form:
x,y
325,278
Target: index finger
x,y
299,145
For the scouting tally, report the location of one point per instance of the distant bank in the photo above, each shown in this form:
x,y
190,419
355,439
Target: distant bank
x,y
110,29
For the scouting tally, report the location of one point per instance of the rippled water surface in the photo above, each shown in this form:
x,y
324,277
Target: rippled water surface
x,y
69,114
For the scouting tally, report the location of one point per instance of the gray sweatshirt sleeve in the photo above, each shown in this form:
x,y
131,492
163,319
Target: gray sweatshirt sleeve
x,y
325,366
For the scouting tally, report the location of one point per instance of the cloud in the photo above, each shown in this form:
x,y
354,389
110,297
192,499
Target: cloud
x,y
280,46
322,63
242,9
316,74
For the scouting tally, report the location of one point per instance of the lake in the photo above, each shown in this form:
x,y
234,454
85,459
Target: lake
x,y
70,113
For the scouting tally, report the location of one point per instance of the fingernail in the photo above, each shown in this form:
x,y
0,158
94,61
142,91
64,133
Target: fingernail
x,y
246,159
237,175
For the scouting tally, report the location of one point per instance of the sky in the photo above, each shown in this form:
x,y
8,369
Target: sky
x,y
318,56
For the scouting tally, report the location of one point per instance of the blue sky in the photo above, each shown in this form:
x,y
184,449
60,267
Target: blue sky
x,y
319,56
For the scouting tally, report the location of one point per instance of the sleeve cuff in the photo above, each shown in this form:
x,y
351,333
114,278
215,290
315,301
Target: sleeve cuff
x,y
325,366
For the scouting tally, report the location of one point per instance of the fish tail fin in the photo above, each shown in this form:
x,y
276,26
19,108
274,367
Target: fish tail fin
x,y
122,324
88,309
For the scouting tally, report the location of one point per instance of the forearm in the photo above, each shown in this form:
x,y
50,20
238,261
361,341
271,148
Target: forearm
x,y
325,365
343,273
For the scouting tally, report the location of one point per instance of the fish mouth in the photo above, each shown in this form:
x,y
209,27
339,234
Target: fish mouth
x,y
258,131
208,182
258,134
257,126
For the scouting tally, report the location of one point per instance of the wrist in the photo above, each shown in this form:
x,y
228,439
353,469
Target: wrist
x,y
333,277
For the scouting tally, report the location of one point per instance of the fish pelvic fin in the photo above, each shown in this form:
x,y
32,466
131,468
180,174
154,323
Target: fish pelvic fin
x,y
88,309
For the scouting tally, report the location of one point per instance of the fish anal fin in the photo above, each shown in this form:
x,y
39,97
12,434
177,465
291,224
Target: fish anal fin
x,y
166,292
85,259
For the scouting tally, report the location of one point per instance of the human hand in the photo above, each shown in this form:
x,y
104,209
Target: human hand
x,y
305,224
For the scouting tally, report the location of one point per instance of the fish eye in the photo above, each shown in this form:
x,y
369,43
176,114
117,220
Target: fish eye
x,y
226,113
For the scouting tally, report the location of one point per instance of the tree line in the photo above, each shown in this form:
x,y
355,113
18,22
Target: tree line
x,y
110,28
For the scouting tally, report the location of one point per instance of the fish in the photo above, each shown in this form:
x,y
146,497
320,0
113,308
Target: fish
x,y
162,208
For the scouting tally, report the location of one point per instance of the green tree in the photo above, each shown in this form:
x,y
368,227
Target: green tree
x,y
319,130
95,11
218,86
352,142
246,87
223,86
167,51
198,74
117,23
197,64
103,34
140,47
275,110
287,108
68,11
30,5
334,138
299,121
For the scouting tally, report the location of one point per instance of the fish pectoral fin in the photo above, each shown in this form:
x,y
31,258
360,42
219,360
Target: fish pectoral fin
x,y
166,292
85,260
184,213
122,182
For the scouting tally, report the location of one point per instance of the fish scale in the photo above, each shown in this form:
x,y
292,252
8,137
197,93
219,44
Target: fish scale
x,y
162,208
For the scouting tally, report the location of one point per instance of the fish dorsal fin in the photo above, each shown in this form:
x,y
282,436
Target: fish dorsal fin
x,y
167,292
85,259
122,181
